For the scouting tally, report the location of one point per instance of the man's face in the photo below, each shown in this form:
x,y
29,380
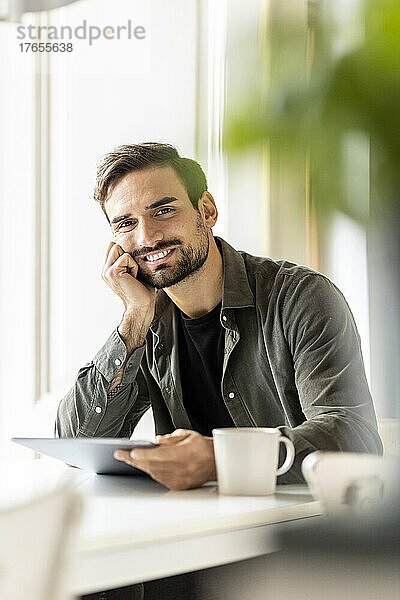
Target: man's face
x,y
154,221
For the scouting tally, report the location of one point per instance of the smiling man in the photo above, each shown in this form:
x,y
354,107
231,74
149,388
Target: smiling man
x,y
211,337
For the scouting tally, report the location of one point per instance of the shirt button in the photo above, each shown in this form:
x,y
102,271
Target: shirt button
x,y
117,361
98,409
224,318
231,394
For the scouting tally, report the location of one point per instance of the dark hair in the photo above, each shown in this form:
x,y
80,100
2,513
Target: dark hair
x,y
134,157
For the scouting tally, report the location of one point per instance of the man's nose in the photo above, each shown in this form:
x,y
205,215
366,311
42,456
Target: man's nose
x,y
148,234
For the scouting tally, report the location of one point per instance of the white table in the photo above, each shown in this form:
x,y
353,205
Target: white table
x,y
136,530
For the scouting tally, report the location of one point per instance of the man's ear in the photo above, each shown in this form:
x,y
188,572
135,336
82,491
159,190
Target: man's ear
x,y
208,209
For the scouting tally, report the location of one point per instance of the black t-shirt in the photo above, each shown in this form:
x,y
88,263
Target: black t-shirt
x,y
201,355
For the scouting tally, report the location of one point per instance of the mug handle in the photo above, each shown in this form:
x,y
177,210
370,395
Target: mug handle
x,y
290,454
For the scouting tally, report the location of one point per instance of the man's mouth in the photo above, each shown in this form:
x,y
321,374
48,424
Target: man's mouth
x,y
155,258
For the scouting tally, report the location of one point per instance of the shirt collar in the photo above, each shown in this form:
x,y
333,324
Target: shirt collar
x,y
236,292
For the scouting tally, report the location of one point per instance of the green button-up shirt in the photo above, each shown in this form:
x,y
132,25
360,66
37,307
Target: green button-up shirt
x,y
292,360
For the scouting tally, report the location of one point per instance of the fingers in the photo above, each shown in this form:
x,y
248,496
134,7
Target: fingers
x,y
161,473
173,438
181,460
144,465
165,469
149,458
118,262
157,453
166,456
113,252
122,455
160,455
125,263
110,245
181,432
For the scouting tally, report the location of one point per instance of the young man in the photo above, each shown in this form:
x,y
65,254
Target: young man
x,y
211,337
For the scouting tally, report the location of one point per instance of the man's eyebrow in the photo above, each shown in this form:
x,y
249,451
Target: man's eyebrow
x,y
118,219
161,202
156,204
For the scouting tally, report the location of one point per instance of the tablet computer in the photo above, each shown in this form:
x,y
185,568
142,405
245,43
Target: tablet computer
x,y
90,454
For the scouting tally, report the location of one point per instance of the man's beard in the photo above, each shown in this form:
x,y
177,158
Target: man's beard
x,y
190,261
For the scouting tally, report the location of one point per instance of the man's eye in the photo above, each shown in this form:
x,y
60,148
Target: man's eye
x,y
125,224
164,211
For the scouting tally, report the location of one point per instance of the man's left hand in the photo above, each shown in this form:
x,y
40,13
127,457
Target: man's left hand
x,y
182,460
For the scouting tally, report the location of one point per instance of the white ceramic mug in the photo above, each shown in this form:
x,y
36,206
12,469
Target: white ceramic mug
x,y
247,459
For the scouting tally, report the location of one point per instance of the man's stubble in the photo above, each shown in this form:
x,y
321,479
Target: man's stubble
x,y
192,258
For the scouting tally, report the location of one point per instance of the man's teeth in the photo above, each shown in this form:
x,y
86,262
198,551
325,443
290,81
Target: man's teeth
x,y
153,257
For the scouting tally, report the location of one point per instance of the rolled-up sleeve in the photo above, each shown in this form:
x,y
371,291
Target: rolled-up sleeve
x,y
88,409
329,373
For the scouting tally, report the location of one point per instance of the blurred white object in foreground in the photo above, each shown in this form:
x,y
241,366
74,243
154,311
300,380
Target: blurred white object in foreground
x,y
38,518
346,482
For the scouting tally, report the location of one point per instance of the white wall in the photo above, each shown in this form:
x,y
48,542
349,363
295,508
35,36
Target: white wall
x,y
246,201
347,266
16,235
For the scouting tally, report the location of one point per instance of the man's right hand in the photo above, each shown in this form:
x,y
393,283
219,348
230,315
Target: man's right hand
x,y
120,273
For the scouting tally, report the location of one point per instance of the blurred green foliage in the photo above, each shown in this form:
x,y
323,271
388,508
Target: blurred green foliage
x,y
312,114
